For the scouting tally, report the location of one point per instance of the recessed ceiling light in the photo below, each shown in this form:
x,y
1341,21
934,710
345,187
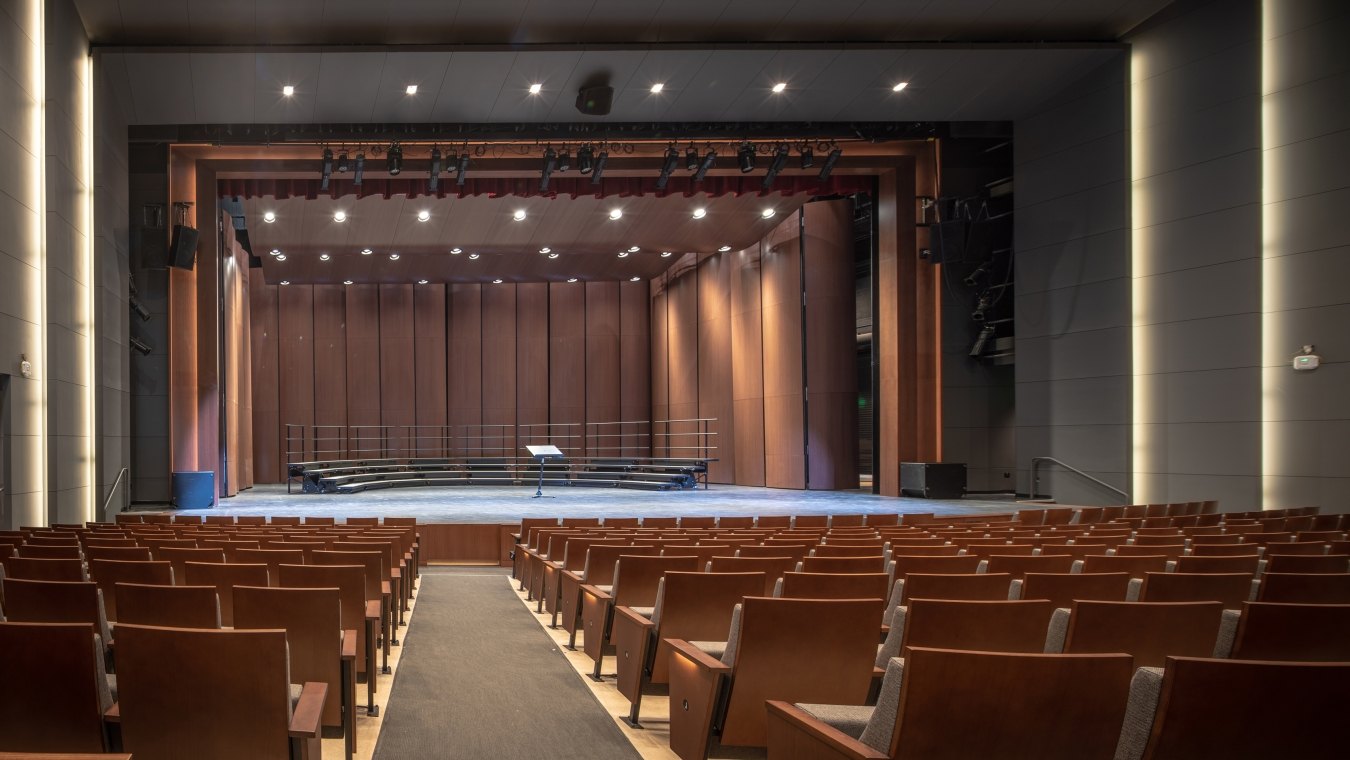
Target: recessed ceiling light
x,y
269,216
659,86
497,281
288,90
724,248
393,257
553,255
700,212
324,257
276,251
899,86
456,251
536,88
634,249
339,216
285,282
665,254
569,279
473,256
346,282
421,282
423,215
545,249
519,215
634,279
616,213
281,257
623,254
411,89
366,251
780,87
767,213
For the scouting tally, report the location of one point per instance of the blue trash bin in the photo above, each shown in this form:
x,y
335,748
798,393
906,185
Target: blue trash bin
x,y
194,490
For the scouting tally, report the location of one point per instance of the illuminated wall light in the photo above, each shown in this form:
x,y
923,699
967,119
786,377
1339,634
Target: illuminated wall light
x,y
39,92
91,309
1270,269
1141,402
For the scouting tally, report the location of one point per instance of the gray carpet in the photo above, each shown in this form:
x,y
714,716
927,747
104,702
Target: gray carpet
x,y
480,679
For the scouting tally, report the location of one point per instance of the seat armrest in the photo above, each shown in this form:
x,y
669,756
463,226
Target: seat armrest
x,y
597,594
628,616
793,732
372,610
309,710
349,644
384,588
114,713
396,573
700,659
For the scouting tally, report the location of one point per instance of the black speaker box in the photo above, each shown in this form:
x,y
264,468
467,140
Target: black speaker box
x,y
933,480
595,101
183,249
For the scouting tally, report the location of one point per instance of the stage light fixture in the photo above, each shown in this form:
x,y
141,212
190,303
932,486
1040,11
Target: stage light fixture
x,y
327,171
981,340
980,271
780,157
745,156
423,215
691,158
658,87
899,86
830,161
139,308
269,217
360,171
808,157
599,169
700,212
615,214
339,216
564,161
434,177
709,159
780,87
366,251
342,164
550,163
463,169
394,159
981,306
669,165
141,346
585,159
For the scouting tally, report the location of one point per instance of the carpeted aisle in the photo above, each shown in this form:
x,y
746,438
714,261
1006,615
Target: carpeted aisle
x,y
479,679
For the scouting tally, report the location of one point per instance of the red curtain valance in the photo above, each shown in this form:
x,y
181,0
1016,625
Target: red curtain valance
x,y
524,187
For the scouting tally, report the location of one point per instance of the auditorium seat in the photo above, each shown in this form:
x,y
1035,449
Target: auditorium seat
x,y
797,552
377,591
1019,565
392,569
1225,550
272,558
1135,566
172,606
357,613
959,704
1148,631
177,558
107,573
633,584
224,577
1304,588
54,689
860,549
988,626
125,553
1295,563
773,568
1203,709
806,650
39,551
1249,564
874,586
1230,589
28,568
597,570
1303,632
967,586
242,701
56,602
866,564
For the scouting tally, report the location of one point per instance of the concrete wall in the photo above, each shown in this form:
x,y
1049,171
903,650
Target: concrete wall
x,y
1072,246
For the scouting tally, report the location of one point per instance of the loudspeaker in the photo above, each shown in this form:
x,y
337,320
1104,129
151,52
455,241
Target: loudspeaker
x,y
183,249
933,480
595,101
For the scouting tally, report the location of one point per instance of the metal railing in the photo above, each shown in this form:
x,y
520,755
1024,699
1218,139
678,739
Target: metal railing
x,y
1036,478
692,438
126,501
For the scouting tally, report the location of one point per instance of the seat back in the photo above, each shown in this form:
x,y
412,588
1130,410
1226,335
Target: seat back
x,y
797,650
969,586
1230,589
1135,566
1305,588
637,577
1170,551
55,602
702,553
224,578
1303,632
904,565
1204,709
773,568
1295,563
312,619
868,564
370,562
230,547
239,695
1019,565
838,586
1225,550
172,606
955,704
272,558
1296,548
38,551
177,558
994,626
124,553
1150,631
33,569
868,549
796,551
1236,564
600,559
349,580
107,573
54,690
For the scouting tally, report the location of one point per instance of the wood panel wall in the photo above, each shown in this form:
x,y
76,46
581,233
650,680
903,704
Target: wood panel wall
x,y
831,376
784,420
433,355
747,367
714,378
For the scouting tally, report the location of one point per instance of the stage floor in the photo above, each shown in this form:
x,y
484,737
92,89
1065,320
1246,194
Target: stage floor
x,y
489,504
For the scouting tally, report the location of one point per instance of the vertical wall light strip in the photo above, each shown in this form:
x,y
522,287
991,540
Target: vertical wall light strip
x,y
1268,264
38,25
90,302
1141,463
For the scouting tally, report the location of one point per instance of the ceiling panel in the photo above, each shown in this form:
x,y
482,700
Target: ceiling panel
x,y
349,84
426,70
273,71
551,69
676,70
162,88
614,66
471,86
220,94
722,78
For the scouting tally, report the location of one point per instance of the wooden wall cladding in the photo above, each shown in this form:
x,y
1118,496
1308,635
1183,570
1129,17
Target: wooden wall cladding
x,y
436,355
682,364
714,378
660,348
635,367
831,366
784,426
747,366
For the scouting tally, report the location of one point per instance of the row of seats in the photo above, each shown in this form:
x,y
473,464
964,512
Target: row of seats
x,y
733,621
110,649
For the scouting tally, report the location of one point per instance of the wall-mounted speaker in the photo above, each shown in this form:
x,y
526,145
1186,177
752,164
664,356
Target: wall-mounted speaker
x,y
183,249
595,101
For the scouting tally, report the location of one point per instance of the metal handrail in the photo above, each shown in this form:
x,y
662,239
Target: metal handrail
x,y
1035,466
123,472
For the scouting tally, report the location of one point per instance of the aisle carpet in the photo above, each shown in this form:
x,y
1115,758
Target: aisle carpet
x,y
479,679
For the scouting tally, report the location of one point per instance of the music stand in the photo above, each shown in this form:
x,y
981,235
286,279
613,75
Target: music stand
x,y
542,454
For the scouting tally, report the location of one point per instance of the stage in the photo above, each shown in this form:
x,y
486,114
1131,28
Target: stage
x,y
472,524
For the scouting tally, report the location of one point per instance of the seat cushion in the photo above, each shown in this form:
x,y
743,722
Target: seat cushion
x,y
714,649
296,689
646,612
850,719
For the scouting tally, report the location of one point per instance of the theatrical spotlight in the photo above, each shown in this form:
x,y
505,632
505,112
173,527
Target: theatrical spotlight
x,y
394,159
463,168
360,169
599,167
709,159
808,157
550,163
981,340
745,156
564,161
585,159
671,163
434,178
327,171
342,162
974,277
780,157
830,161
981,307
139,308
690,158
141,346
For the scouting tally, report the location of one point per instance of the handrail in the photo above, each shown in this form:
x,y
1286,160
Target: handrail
x,y
113,490
1035,466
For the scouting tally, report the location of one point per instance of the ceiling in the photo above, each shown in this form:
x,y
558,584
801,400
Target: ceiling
x,y
534,22
578,229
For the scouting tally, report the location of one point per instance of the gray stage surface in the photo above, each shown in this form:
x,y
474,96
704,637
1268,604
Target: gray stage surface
x,y
491,504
